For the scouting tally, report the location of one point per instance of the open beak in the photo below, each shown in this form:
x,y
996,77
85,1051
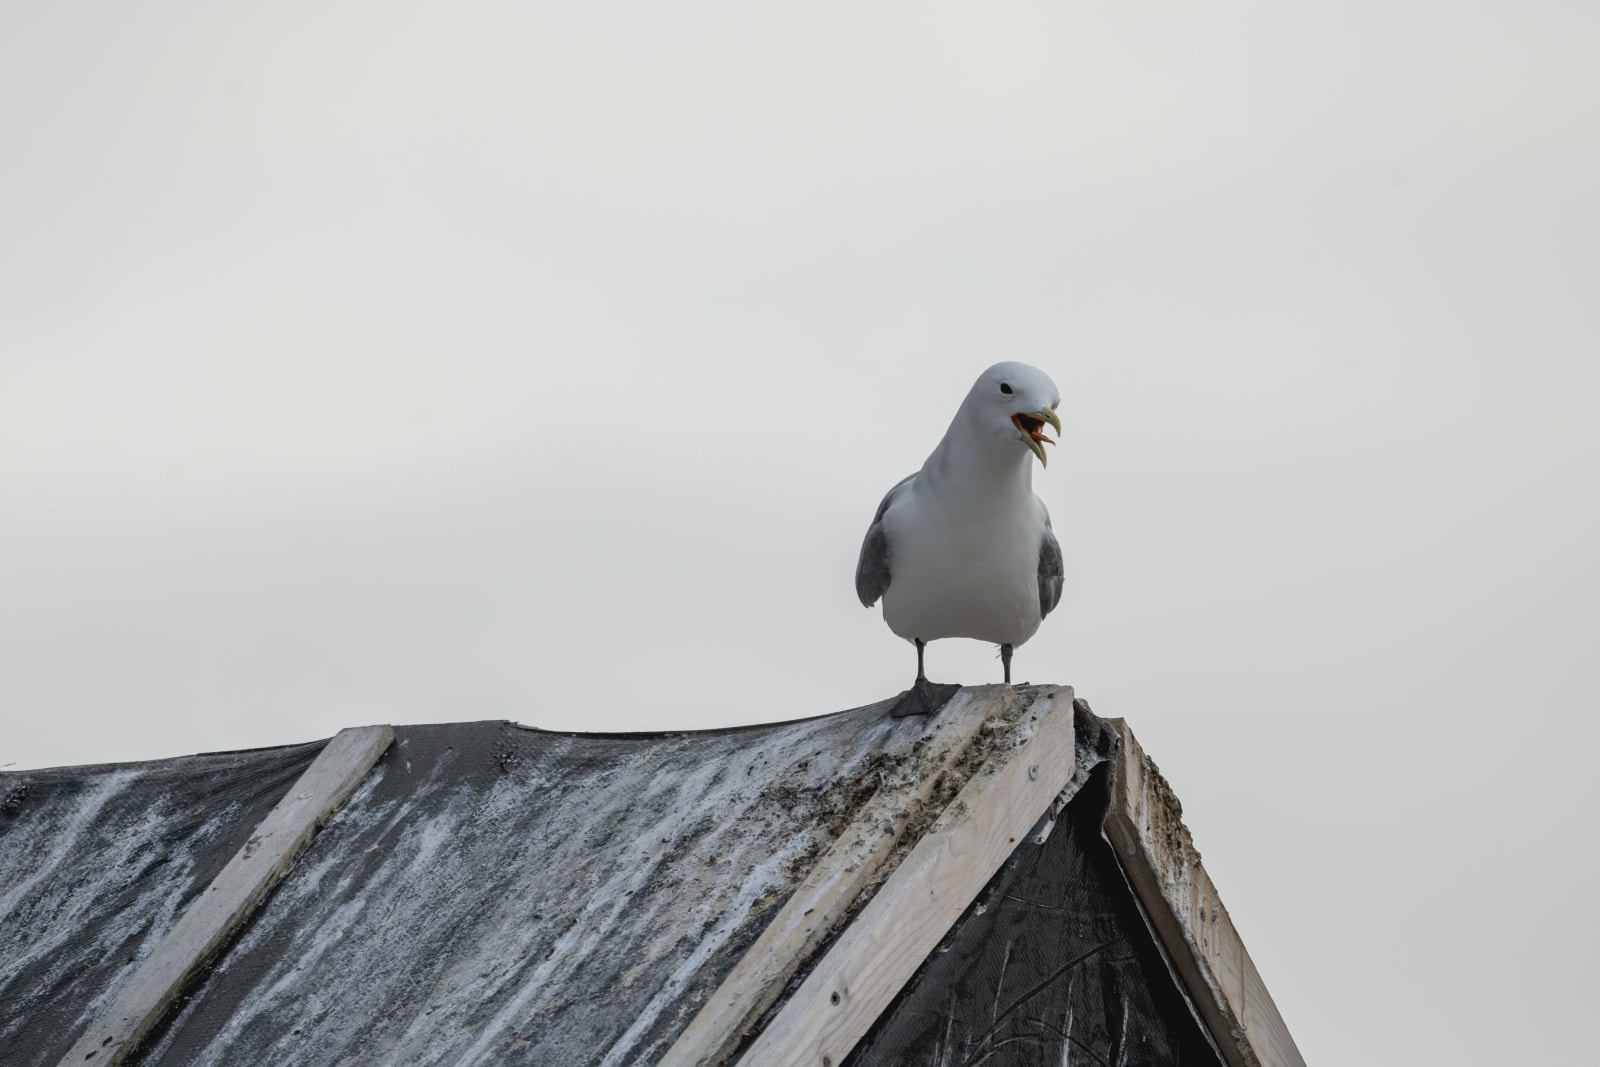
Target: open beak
x,y
1031,425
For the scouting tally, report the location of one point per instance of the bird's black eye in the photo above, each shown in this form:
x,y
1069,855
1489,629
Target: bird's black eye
x,y
1006,389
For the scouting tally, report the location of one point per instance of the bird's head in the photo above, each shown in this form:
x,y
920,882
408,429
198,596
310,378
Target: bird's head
x,y
1015,402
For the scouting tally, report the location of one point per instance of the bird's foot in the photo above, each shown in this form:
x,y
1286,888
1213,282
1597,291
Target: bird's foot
x,y
923,698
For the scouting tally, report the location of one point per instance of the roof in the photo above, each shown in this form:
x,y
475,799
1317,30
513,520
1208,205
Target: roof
x,y
802,892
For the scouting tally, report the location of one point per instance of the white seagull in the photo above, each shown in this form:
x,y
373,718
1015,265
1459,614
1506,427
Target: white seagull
x,y
963,547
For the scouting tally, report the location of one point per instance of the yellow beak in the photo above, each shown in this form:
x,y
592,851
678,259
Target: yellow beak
x,y
1031,425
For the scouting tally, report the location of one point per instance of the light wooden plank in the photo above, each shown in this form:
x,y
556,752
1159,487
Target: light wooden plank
x,y
1145,827
234,893
879,952
857,859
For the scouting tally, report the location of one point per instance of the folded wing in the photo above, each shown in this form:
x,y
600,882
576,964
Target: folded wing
x,y
873,568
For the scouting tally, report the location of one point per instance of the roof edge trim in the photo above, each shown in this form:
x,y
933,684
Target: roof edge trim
x,y
1145,827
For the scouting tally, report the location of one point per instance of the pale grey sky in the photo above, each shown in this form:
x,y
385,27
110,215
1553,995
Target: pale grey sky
x,y
420,362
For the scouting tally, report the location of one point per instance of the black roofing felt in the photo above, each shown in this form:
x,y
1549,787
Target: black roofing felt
x,y
96,865
495,894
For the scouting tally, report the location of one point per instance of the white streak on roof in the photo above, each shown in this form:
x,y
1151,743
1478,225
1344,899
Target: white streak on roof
x,y
528,898
65,842
760,881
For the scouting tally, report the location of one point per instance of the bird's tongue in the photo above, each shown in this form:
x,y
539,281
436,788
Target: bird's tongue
x,y
1032,427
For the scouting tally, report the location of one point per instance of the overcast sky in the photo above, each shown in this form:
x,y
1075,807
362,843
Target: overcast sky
x,y
420,362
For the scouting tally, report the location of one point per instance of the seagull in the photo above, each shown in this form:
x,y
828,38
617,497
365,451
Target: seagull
x,y
963,547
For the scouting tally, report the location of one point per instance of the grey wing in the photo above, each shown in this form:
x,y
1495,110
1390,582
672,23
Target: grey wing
x,y
1052,572
872,569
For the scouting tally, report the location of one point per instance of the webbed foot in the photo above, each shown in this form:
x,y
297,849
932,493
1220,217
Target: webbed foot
x,y
923,698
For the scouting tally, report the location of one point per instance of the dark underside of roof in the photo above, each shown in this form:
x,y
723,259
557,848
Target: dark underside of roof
x,y
1052,964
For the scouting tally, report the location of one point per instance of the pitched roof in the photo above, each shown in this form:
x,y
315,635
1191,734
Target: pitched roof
x,y
483,892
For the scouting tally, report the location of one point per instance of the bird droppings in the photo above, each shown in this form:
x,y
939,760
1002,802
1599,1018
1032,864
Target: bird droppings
x,y
11,800
518,878
494,894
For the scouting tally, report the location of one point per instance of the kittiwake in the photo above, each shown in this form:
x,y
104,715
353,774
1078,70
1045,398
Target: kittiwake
x,y
963,547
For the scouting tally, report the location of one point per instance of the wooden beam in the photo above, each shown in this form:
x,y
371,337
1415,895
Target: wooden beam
x,y
859,857
1145,827
882,948
237,889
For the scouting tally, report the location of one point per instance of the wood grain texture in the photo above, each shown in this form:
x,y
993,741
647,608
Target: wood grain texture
x,y
950,864
1145,827
235,892
857,858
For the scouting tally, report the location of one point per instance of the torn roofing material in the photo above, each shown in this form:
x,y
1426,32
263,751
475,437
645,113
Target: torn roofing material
x,y
494,894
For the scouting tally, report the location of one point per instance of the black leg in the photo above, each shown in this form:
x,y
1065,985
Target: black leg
x,y
1005,660
924,697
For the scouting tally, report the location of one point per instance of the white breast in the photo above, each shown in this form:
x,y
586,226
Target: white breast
x,y
963,571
